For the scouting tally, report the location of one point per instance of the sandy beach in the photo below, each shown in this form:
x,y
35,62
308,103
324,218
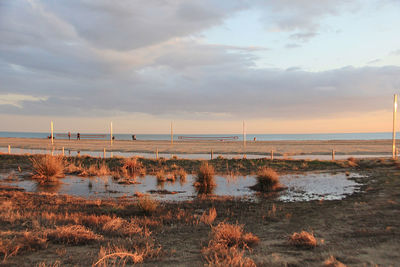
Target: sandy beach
x,y
347,147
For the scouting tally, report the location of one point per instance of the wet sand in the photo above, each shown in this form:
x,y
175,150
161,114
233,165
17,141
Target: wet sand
x,y
318,147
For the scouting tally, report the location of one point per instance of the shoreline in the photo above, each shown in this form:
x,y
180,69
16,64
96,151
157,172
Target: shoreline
x,y
280,148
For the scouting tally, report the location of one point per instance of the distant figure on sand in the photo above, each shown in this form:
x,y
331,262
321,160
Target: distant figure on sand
x,y
69,135
133,137
254,139
113,138
78,136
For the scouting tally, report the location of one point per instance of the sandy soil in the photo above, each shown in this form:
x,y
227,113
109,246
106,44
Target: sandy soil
x,y
361,230
353,147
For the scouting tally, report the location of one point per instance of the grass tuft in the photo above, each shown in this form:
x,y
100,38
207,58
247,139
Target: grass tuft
x,y
205,182
47,168
73,235
303,239
267,180
332,262
147,204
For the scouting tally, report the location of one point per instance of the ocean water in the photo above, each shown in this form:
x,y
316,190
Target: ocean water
x,y
238,137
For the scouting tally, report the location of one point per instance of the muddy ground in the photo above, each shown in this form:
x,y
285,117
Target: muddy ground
x,y
361,230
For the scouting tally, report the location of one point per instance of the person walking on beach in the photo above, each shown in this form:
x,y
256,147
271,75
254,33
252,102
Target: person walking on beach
x,y
78,136
69,135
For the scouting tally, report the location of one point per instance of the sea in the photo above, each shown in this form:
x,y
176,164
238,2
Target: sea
x,y
237,137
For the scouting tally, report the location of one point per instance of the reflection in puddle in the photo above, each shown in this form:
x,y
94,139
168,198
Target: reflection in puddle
x,y
301,187
317,186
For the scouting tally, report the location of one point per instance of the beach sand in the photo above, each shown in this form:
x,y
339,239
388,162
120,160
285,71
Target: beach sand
x,y
318,147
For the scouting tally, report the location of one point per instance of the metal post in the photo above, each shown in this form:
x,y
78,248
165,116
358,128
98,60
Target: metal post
x,y
333,154
104,153
157,153
9,149
394,126
272,155
63,151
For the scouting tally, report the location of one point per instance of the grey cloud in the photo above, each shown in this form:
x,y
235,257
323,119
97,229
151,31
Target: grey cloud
x,y
303,36
130,24
292,45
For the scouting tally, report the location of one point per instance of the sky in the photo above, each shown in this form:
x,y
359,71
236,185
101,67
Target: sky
x,y
304,66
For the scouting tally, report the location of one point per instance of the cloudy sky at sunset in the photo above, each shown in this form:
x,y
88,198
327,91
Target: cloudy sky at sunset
x,y
303,66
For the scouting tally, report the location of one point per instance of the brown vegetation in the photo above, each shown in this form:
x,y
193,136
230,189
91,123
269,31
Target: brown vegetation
x,y
227,246
73,234
332,262
147,204
267,180
303,239
205,182
47,168
208,218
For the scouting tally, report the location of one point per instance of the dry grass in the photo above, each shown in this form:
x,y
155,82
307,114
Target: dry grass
x,y
303,239
27,242
122,227
332,262
160,175
267,180
54,264
232,235
120,256
224,256
147,204
73,235
352,162
205,181
134,167
228,245
208,218
95,170
47,168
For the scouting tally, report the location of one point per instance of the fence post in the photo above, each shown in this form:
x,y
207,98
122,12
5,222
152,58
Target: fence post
x,y
333,154
272,154
156,152
9,149
63,151
104,153
212,154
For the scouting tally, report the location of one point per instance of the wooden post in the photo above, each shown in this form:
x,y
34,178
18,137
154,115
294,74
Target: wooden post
x,y
333,154
157,153
9,149
394,126
212,154
272,154
111,134
104,153
63,151
172,135
52,132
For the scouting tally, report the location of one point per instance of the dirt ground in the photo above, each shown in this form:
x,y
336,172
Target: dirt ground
x,y
361,230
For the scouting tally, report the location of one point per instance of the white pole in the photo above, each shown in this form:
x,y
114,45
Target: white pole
x,y
111,134
52,132
394,126
172,135
244,135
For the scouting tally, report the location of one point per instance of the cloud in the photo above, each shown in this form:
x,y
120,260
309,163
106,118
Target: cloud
x,y
303,36
395,52
377,60
131,57
16,100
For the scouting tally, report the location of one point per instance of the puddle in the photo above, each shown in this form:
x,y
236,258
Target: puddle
x,y
183,156
318,186
302,187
